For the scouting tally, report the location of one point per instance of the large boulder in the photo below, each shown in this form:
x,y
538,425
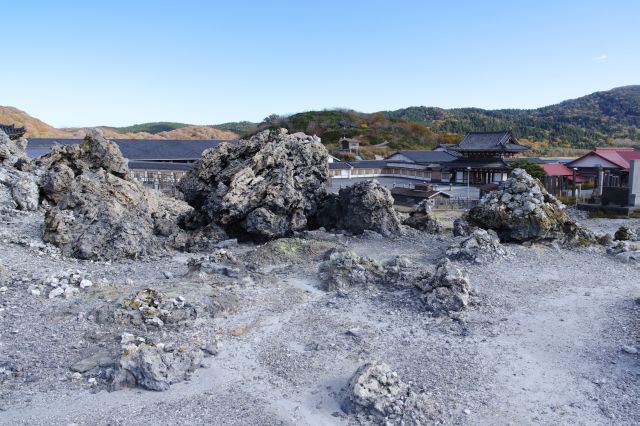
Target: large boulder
x,y
422,219
18,186
262,188
447,290
98,211
344,270
524,211
363,206
153,366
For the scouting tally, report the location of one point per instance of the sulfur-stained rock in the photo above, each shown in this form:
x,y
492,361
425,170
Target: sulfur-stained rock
x,y
262,188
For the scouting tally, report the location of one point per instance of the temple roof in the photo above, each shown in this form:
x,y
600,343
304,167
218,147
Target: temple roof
x,y
490,141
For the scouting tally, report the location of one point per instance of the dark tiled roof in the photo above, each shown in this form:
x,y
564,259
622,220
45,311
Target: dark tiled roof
x,y
340,165
423,156
158,165
141,149
365,164
407,192
12,131
490,141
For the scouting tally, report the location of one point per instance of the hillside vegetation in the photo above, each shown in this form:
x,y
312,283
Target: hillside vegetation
x,y
377,134
609,117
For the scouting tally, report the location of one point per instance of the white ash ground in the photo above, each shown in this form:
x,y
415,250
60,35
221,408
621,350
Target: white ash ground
x,y
543,343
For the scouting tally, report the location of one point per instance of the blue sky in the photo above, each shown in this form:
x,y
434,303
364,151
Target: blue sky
x,y
205,62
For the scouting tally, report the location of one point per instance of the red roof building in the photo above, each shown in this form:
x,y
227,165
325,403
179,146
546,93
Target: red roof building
x,y
561,170
608,158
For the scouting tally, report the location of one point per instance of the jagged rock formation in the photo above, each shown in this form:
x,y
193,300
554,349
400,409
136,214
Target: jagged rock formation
x,y
523,211
98,211
379,391
363,206
625,233
422,219
153,366
461,227
18,187
263,188
480,246
447,290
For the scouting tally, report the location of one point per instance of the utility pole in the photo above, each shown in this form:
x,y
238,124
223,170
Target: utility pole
x,y
468,184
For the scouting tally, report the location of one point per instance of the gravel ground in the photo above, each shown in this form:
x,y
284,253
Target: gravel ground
x,y
541,344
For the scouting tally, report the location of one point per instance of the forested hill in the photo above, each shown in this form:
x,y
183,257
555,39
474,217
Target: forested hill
x,y
607,117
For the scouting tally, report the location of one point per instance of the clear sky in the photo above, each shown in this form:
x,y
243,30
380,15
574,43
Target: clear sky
x,y
82,63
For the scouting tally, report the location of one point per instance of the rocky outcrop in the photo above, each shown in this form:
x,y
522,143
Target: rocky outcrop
x,y
422,219
262,188
363,206
153,308
481,246
625,233
153,366
344,270
18,187
378,391
524,211
98,211
447,290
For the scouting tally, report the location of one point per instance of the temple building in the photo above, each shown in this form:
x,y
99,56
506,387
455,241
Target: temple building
x,y
481,157
12,131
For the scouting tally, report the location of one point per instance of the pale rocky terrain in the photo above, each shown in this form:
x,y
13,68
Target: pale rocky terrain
x,y
316,327
542,343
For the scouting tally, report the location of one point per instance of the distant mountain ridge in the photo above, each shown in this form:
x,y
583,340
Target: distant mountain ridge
x,y
39,129
609,117
600,118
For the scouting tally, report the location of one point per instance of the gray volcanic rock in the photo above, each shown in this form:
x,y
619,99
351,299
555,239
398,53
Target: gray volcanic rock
x,y
98,211
626,233
343,270
153,366
480,246
422,219
263,188
18,188
379,392
461,227
363,206
447,290
525,211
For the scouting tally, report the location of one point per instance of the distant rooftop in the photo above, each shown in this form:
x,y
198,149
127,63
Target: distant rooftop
x,y
139,149
490,141
12,131
422,156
